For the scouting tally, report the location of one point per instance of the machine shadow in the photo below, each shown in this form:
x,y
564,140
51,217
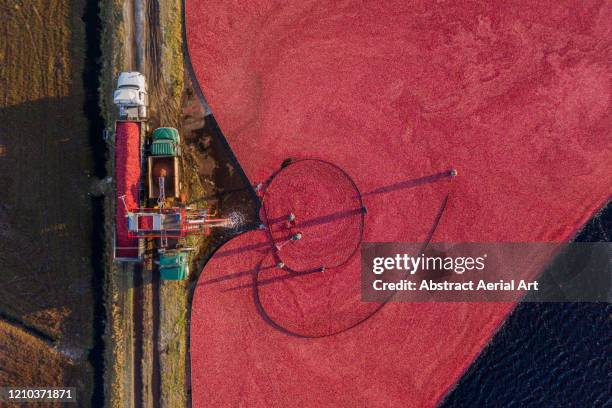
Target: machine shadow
x,y
402,185
329,218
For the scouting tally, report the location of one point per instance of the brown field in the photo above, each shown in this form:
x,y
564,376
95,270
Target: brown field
x,y
45,365
37,33
45,211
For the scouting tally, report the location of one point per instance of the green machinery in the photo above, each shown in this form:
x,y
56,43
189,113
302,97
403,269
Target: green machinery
x,y
173,265
163,166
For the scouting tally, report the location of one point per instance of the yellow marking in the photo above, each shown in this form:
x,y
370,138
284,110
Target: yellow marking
x,y
54,228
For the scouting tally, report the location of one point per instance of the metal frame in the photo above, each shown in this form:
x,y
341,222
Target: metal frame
x,y
122,258
188,222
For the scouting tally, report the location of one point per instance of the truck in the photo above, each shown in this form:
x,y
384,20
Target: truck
x,y
131,96
163,166
137,218
129,137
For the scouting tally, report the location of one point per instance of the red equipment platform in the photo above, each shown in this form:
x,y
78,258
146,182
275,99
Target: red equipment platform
x,y
173,222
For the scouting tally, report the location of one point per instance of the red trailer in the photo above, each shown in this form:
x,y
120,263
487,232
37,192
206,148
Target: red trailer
x,y
128,172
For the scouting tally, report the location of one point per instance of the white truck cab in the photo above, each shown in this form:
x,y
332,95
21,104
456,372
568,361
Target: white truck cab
x,y
131,95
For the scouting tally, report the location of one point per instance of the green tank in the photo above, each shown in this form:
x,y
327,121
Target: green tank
x,y
165,142
173,265
163,163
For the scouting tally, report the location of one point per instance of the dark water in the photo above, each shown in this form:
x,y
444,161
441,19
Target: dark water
x,y
546,354
91,108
